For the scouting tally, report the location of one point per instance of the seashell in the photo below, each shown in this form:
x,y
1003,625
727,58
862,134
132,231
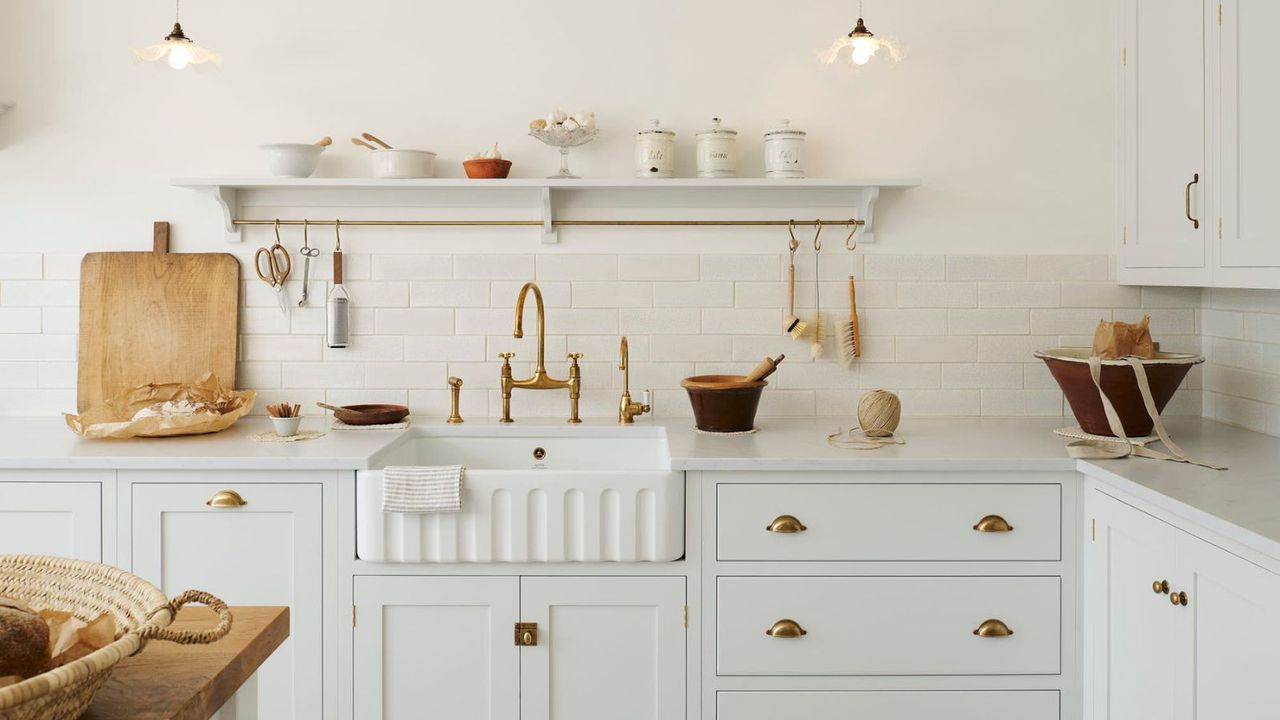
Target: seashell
x,y
538,124
570,125
492,154
590,124
559,116
580,118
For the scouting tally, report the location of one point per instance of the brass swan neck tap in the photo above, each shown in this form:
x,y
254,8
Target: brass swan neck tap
x,y
540,380
627,410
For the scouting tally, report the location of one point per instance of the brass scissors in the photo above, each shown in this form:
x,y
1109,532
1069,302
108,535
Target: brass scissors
x,y
278,265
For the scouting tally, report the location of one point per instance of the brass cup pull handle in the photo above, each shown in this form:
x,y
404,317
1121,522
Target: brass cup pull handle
x,y
526,638
226,499
786,628
993,628
1195,223
786,524
1160,587
1178,598
993,524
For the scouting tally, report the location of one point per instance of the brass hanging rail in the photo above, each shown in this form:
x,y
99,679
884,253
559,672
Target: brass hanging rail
x,y
848,222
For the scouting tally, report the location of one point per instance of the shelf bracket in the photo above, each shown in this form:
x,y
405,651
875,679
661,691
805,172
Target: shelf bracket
x,y
866,213
228,202
549,236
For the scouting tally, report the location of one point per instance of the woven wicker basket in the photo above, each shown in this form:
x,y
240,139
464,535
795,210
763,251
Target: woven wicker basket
x,y
87,590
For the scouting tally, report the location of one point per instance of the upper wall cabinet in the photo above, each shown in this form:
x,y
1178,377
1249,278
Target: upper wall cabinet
x,y
1197,144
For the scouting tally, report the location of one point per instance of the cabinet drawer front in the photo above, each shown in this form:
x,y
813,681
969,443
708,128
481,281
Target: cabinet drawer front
x,y
835,705
887,625
52,517
888,521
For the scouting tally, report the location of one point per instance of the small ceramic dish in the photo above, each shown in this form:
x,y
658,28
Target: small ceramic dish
x,y
286,426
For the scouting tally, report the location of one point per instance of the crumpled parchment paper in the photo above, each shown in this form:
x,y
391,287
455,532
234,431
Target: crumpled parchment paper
x,y
115,417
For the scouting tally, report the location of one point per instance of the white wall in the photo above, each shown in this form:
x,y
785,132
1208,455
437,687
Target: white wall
x,y
1004,107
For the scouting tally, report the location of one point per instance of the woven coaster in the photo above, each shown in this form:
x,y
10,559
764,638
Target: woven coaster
x,y
339,425
1075,433
752,431
270,436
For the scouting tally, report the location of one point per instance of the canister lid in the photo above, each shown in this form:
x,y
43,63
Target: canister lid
x,y
717,129
784,128
656,129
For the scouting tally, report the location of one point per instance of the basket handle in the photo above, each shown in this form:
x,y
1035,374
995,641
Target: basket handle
x,y
190,637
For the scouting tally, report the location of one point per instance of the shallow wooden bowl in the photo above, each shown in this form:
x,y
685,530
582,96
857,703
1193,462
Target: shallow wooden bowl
x,y
371,414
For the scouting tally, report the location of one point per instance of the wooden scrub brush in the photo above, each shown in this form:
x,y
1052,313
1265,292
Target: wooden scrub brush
x,y
793,324
819,322
850,340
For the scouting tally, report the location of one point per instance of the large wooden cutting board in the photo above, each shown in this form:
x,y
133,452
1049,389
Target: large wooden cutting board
x,y
156,317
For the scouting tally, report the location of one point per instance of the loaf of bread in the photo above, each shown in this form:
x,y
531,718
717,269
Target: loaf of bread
x,y
24,640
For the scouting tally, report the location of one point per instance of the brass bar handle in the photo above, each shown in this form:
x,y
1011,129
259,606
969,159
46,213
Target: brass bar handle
x,y
1195,223
1178,598
786,628
1160,587
786,524
992,628
226,499
993,524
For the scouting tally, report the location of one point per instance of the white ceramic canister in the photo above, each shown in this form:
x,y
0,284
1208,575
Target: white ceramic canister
x,y
784,152
655,152
717,151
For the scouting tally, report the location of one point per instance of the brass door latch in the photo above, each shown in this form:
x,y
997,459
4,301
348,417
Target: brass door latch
x,y
526,634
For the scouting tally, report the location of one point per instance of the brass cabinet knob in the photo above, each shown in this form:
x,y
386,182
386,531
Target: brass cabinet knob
x,y
993,628
226,499
786,628
993,524
1178,598
1160,587
786,524
526,638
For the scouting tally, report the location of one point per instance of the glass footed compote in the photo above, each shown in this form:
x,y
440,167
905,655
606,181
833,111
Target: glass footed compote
x,y
557,136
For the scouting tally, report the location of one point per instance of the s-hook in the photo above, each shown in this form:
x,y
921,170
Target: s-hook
x,y
852,231
817,244
794,244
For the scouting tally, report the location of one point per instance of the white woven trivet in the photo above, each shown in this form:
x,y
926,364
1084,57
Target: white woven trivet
x,y
740,432
1076,433
270,436
339,425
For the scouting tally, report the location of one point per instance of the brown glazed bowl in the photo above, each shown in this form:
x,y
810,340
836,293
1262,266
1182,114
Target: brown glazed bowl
x,y
486,168
724,403
1070,367
371,414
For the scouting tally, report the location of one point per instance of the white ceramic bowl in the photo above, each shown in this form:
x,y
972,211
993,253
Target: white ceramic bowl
x,y
296,160
403,164
286,427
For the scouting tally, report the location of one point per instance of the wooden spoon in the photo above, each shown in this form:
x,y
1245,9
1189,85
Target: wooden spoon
x,y
361,143
374,139
325,141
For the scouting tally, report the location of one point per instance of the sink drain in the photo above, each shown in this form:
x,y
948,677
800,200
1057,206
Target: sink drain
x,y
539,453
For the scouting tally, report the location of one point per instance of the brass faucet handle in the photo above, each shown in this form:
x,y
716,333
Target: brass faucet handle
x,y
506,355
455,382
573,358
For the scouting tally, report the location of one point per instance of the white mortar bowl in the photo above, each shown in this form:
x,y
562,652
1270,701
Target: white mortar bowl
x,y
296,160
403,164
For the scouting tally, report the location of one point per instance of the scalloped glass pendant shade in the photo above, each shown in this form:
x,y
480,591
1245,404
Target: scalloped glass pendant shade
x,y
177,50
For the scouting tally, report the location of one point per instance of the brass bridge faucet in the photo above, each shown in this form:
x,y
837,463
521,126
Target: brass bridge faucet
x,y
627,410
540,379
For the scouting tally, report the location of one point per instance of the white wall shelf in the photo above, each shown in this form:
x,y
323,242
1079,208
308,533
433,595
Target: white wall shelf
x,y
540,202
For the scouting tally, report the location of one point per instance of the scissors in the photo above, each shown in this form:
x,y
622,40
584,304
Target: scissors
x,y
278,265
307,252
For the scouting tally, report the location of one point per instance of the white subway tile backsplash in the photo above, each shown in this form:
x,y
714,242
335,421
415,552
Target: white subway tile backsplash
x,y
1019,294
60,320
988,322
615,294
734,321
21,266
265,321
378,294
58,374
739,267
326,375
1021,403
1068,267
412,375
986,267
899,376
577,267
503,294
39,293
937,295
940,402
664,268
493,267
1066,321
946,349
60,266
442,348
1012,348
19,374
699,348
281,347
1222,323
694,294
450,293
258,375
20,320
905,267
1262,328
38,347
878,321
683,321
981,375
412,321
410,267
378,348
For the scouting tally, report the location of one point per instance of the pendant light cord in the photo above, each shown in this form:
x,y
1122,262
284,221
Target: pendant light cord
x,y
177,11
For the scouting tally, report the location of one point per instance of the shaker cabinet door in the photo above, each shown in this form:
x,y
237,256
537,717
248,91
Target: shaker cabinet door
x,y
439,647
1229,626
267,551
1163,156
608,647
1134,630
48,516
1249,117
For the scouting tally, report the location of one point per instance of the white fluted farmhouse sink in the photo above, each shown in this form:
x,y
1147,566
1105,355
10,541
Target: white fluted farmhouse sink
x,y
533,494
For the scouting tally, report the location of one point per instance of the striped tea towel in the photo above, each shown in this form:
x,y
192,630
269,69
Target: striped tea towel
x,y
422,489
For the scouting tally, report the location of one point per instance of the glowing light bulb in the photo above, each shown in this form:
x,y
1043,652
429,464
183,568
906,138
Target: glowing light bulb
x,y
863,50
179,55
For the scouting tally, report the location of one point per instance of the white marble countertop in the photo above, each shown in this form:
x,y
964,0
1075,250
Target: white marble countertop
x,y
1242,503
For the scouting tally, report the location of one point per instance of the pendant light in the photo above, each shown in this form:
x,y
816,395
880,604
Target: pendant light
x,y
177,48
863,45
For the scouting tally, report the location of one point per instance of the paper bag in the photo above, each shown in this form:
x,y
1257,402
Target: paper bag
x,y
1113,340
217,409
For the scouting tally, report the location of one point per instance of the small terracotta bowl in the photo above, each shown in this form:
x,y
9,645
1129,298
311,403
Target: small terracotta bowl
x,y
724,403
486,169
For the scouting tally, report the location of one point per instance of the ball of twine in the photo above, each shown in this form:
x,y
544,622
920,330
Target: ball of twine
x,y
879,412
